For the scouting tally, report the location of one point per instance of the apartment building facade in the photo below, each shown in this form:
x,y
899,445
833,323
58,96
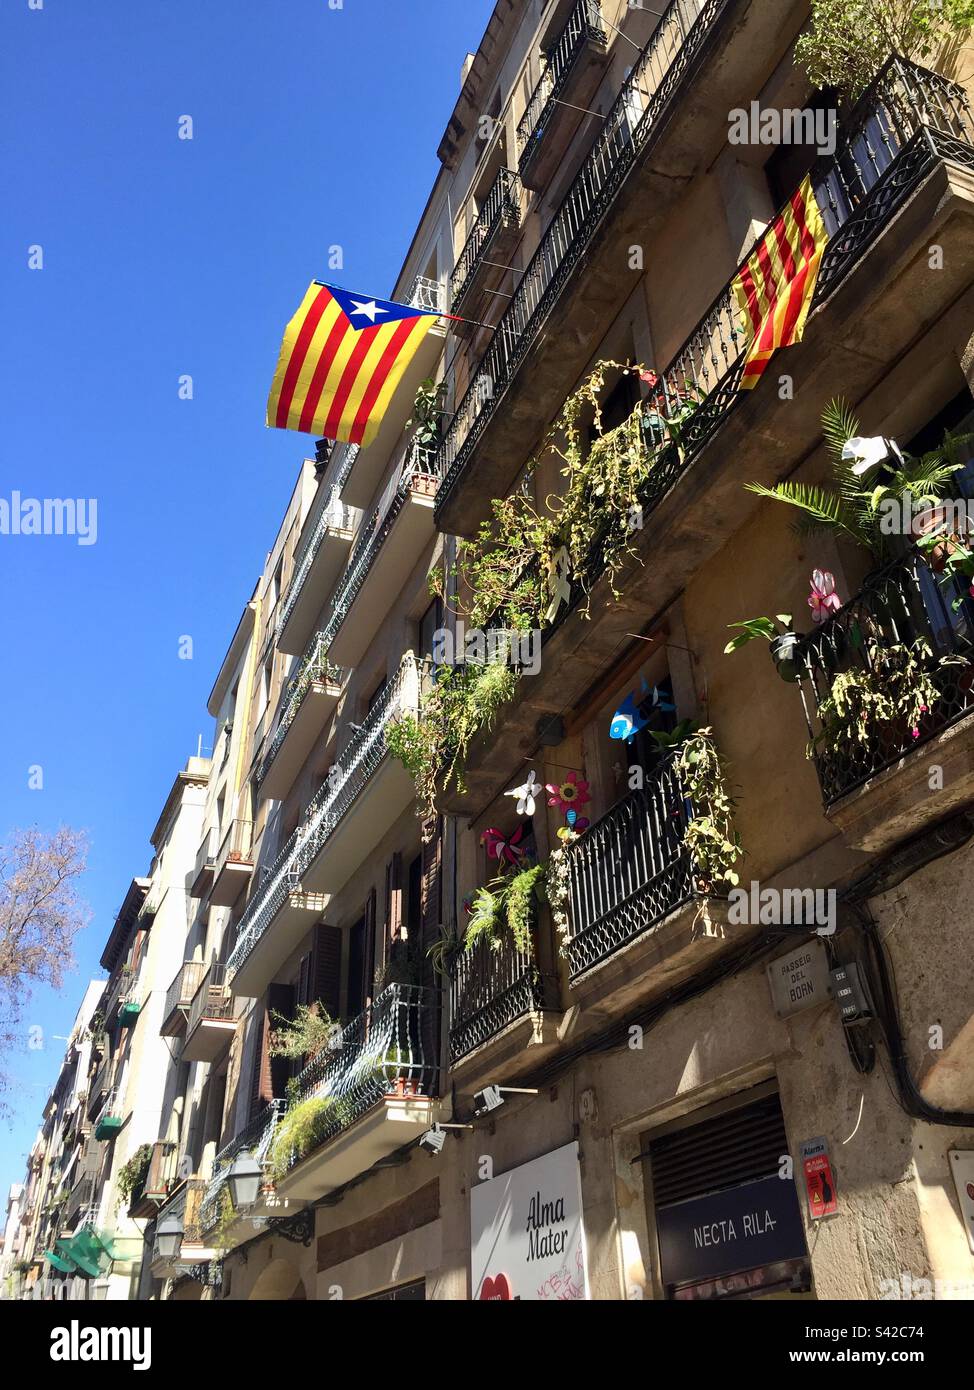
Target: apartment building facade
x,y
641,1087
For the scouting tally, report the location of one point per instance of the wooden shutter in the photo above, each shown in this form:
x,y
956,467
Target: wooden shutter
x,y
368,961
270,1074
430,906
393,900
325,980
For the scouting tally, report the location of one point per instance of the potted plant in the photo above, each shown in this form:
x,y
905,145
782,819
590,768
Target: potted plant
x,y
777,631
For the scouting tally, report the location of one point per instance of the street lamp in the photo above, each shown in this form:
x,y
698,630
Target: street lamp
x,y
244,1179
169,1236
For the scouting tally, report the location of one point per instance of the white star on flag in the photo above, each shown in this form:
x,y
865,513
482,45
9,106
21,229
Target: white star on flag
x,y
368,308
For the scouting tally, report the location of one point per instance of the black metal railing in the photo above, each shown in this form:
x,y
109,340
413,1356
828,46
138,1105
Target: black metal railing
x,y
390,1049
903,611
907,121
584,25
212,1002
501,208
630,869
312,669
256,1139
336,518
417,473
180,993
626,130
490,989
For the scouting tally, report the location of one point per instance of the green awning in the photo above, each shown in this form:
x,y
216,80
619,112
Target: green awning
x,y
77,1249
60,1262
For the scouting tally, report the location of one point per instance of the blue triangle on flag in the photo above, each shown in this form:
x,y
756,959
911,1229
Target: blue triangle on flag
x,y
364,310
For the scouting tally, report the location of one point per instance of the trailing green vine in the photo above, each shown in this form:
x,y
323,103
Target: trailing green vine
x,y
505,909
897,687
711,838
133,1174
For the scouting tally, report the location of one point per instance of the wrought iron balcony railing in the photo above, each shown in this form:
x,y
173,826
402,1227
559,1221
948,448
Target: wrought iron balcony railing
x,y
237,846
584,25
628,127
255,1137
490,989
212,1001
356,764
629,869
335,519
416,474
908,120
180,993
901,611
280,879
501,207
312,669
389,1050
426,294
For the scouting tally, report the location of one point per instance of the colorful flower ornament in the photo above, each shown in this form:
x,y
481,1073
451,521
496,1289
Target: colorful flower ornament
x,y
506,848
570,794
823,599
525,794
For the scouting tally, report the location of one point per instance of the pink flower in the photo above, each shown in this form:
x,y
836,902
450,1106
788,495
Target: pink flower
x,y
823,599
570,794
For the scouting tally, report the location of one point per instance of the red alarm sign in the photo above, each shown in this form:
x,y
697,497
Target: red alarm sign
x,y
819,1181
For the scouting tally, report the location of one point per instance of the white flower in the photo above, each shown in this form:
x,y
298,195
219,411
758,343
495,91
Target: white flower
x,y
525,794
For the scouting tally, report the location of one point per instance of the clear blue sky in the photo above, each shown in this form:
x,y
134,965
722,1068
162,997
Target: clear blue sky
x,y
162,256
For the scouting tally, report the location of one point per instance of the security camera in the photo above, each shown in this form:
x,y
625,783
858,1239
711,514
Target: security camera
x,y
433,1140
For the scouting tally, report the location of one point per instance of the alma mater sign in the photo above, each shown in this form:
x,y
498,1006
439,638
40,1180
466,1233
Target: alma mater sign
x,y
753,1224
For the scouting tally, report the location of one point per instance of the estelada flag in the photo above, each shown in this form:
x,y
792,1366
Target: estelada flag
x,y
342,357
775,286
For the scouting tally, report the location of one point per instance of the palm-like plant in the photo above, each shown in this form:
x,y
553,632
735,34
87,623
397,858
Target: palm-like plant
x,y
850,506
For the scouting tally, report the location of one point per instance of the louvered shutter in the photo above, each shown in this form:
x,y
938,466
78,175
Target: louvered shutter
x,y
735,1147
326,969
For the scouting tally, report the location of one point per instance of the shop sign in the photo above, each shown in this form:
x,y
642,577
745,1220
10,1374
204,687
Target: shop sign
x,y
755,1223
526,1235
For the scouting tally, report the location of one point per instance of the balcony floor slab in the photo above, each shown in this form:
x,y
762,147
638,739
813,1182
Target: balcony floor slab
x,y
379,1133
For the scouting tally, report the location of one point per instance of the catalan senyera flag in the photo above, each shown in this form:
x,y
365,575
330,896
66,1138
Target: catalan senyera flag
x,y
342,357
775,286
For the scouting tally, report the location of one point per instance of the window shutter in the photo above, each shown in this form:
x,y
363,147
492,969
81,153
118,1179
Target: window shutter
x,y
738,1146
259,1082
270,1074
326,969
368,963
304,995
430,907
394,899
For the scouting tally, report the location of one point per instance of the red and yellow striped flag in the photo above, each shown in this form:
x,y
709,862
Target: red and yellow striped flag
x,y
775,286
342,357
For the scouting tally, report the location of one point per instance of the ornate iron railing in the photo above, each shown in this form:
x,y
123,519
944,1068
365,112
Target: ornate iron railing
x,y
501,208
885,148
426,294
415,475
906,122
490,989
255,1137
212,1002
335,519
346,779
313,668
356,764
389,1049
633,119
584,25
900,607
180,992
629,869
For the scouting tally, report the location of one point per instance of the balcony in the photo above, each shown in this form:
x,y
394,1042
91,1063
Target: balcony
x,y
205,863
898,182
875,787
98,1088
275,921
123,998
368,465
110,1118
234,864
388,547
212,1021
373,1090
574,64
637,922
492,238
255,1138
503,1010
307,703
186,1203
363,796
160,1179
179,996
316,569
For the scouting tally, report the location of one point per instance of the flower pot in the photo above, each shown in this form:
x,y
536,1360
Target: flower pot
x,y
784,654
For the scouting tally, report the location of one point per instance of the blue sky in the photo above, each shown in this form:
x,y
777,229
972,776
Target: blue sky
x,y
164,257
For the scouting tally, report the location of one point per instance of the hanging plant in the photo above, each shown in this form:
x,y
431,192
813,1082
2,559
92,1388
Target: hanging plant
x,y
897,689
305,1034
426,421
710,836
505,908
132,1174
